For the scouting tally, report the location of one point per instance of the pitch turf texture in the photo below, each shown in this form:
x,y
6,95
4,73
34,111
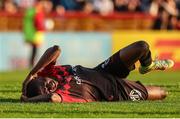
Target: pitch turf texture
x,y
10,106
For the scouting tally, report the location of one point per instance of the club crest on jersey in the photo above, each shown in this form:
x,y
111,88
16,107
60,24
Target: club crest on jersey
x,y
78,80
105,63
135,95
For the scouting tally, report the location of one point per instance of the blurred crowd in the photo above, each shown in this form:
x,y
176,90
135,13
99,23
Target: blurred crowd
x,y
166,12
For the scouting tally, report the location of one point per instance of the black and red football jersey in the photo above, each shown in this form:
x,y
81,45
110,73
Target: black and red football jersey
x,y
80,84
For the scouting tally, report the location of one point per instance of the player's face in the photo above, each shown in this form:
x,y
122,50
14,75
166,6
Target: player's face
x,y
48,84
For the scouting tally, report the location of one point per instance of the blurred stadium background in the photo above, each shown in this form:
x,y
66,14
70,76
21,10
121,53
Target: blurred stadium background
x,y
89,31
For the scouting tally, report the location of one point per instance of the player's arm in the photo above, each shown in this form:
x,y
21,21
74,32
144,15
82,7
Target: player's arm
x,y
50,55
43,98
155,93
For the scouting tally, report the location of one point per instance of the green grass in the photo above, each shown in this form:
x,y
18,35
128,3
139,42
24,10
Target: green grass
x,y
10,106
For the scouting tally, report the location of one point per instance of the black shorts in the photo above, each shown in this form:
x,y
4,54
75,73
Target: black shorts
x,y
123,88
115,66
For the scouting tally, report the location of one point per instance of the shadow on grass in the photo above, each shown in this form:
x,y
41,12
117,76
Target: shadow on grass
x,y
5,100
92,112
9,91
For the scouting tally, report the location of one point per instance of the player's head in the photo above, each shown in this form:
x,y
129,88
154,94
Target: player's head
x,y
41,85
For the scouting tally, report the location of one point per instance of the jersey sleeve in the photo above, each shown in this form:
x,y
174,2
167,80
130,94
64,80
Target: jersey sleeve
x,y
48,70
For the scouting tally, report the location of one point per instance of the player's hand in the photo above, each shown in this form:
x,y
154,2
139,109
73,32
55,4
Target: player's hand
x,y
24,98
55,98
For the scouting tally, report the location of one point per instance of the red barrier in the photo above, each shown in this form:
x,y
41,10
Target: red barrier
x,y
82,21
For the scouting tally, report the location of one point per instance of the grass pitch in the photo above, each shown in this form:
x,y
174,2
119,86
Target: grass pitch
x,y
10,106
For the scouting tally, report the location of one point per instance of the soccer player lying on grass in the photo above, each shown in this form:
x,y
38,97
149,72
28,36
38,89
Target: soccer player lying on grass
x,y
106,82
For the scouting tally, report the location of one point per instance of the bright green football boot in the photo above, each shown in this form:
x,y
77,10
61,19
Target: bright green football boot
x,y
157,65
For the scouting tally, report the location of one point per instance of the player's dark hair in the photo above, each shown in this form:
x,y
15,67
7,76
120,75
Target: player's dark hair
x,y
34,89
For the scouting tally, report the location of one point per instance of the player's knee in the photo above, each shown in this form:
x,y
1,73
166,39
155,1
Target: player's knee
x,y
143,45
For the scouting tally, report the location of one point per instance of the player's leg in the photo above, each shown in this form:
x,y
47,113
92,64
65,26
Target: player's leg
x,y
134,52
155,93
123,61
140,51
